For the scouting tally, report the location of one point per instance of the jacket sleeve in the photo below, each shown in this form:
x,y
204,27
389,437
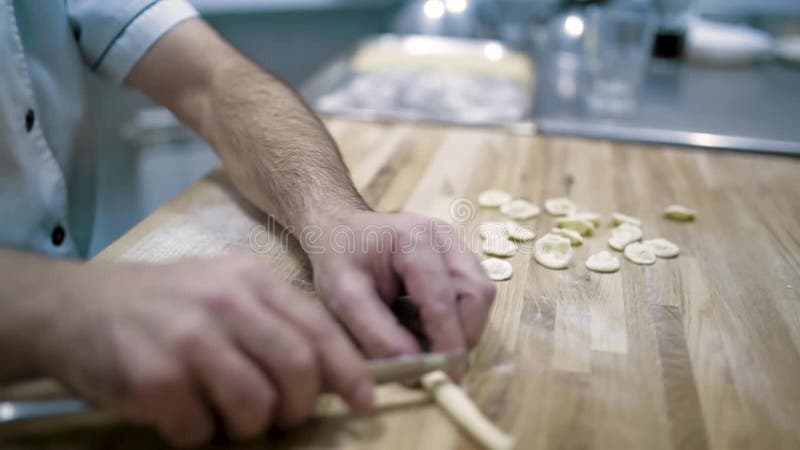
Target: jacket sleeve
x,y
113,35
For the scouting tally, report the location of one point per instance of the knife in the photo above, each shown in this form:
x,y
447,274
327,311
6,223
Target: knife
x,y
403,368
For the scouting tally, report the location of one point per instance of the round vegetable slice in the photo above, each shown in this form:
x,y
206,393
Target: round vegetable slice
x,y
499,247
623,235
603,262
519,232
492,229
553,251
573,236
640,254
629,226
620,218
679,212
493,198
497,269
662,247
559,206
519,209
584,227
589,216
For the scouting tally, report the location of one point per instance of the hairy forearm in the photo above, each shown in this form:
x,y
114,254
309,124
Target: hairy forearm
x,y
29,287
275,150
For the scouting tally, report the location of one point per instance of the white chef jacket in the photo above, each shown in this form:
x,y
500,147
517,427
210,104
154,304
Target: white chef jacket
x,y
47,159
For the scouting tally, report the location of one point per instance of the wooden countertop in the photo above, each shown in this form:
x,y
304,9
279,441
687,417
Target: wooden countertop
x,y
702,351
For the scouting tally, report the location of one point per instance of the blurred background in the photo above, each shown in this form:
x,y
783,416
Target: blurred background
x,y
709,73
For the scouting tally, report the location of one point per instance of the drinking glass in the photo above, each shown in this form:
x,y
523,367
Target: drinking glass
x,y
617,47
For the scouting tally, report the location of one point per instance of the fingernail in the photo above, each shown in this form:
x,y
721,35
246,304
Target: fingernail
x,y
363,397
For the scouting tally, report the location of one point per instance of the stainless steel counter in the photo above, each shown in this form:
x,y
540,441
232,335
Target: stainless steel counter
x,y
427,78
754,108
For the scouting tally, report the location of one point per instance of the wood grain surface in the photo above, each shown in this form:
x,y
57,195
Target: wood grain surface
x,y
702,351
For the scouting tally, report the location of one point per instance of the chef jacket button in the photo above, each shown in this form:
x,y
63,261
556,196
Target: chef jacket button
x,y
30,117
57,236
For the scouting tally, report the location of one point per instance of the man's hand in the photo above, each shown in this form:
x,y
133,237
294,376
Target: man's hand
x,y
170,344
364,260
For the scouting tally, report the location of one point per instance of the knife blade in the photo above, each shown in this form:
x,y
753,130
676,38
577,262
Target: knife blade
x,y
403,368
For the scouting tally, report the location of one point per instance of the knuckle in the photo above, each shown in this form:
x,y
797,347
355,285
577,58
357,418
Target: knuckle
x,y
483,289
437,311
301,362
341,295
476,286
189,340
221,304
406,264
444,294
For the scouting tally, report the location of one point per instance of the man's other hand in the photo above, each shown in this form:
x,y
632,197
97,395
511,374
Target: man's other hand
x,y
170,345
365,260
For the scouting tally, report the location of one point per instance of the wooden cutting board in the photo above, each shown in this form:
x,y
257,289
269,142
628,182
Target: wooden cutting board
x,y
702,351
